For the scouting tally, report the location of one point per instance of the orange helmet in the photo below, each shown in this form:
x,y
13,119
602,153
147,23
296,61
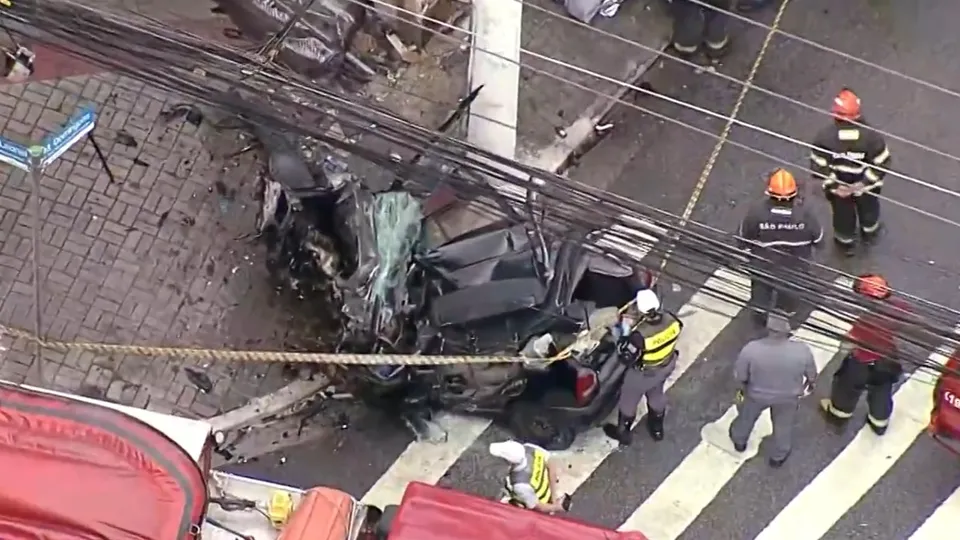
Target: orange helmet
x,y
781,185
846,106
872,285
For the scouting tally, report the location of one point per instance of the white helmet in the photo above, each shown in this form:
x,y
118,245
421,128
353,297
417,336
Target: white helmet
x,y
511,451
647,301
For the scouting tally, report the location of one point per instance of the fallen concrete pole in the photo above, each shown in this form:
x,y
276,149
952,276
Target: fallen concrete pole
x,y
270,404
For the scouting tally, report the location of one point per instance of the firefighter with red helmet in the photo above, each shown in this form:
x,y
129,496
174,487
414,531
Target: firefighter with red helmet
x,y
871,364
780,231
850,159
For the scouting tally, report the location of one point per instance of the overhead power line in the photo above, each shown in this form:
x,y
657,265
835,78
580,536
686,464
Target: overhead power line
x,y
646,91
160,59
741,82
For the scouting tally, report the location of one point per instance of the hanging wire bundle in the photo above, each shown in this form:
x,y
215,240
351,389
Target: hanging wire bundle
x,y
273,96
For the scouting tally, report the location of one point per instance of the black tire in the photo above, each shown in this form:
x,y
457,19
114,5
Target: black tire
x,y
532,423
386,520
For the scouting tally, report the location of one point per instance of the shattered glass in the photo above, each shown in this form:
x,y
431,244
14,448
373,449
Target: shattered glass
x,y
385,230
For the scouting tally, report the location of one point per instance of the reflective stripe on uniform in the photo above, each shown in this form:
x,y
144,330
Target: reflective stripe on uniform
x,y
882,157
660,346
534,473
819,160
877,422
828,407
870,228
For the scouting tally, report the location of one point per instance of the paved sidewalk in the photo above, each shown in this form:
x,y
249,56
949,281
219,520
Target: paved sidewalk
x,y
156,257
555,118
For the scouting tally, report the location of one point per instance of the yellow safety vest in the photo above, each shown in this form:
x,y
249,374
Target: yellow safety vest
x,y
661,339
533,473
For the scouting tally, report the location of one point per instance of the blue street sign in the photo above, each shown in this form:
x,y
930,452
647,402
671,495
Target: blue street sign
x,y
55,145
14,154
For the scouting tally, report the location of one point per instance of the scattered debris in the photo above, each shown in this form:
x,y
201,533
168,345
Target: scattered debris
x,y
125,139
199,379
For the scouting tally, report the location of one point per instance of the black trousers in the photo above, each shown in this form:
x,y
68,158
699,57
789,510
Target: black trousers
x,y
851,212
767,297
853,378
694,24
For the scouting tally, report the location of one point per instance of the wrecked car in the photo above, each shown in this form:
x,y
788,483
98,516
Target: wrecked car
x,y
506,290
498,290
328,236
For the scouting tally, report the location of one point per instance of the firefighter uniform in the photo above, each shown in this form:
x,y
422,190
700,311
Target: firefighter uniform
x,y
651,353
779,232
694,25
875,370
848,157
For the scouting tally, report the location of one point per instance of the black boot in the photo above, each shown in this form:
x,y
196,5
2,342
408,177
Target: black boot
x,y
620,432
878,429
715,51
847,249
655,425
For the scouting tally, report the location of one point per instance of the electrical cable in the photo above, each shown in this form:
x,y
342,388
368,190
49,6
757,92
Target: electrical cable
x,y
715,136
740,82
311,134
635,88
652,93
831,50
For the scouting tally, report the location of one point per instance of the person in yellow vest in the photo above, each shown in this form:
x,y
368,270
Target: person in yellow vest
x,y
650,350
531,482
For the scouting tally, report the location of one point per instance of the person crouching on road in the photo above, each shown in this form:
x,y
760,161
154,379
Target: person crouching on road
x,y
531,482
650,351
694,24
873,369
780,231
774,372
850,159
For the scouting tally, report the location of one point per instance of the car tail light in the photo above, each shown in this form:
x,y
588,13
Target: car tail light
x,y
586,385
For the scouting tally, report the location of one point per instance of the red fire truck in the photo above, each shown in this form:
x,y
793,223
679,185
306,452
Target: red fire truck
x,y
80,469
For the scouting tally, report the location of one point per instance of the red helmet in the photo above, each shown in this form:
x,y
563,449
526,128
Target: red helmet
x,y
872,285
846,106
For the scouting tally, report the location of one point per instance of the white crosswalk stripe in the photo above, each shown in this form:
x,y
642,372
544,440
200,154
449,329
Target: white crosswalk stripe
x,y
702,474
674,506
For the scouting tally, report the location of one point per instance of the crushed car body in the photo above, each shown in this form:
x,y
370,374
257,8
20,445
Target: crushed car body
x,y
496,290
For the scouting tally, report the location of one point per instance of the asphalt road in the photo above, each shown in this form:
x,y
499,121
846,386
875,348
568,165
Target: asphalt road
x,y
653,161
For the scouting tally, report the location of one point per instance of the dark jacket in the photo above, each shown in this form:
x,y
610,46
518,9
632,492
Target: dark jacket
x,y
773,228
847,153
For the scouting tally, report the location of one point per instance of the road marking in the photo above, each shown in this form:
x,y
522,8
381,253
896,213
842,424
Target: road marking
x,y
427,462
708,318
424,461
859,466
699,478
943,523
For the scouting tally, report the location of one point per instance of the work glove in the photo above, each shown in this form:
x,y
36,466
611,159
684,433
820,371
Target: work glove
x,y
738,398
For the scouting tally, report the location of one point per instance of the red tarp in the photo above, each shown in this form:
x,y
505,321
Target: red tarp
x,y
434,513
78,471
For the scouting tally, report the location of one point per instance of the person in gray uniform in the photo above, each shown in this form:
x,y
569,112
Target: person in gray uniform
x,y
531,482
773,372
650,350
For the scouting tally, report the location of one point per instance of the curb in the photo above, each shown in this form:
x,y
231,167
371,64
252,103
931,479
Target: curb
x,y
581,134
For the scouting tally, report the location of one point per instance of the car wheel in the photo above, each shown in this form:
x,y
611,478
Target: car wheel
x,y
386,519
534,424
